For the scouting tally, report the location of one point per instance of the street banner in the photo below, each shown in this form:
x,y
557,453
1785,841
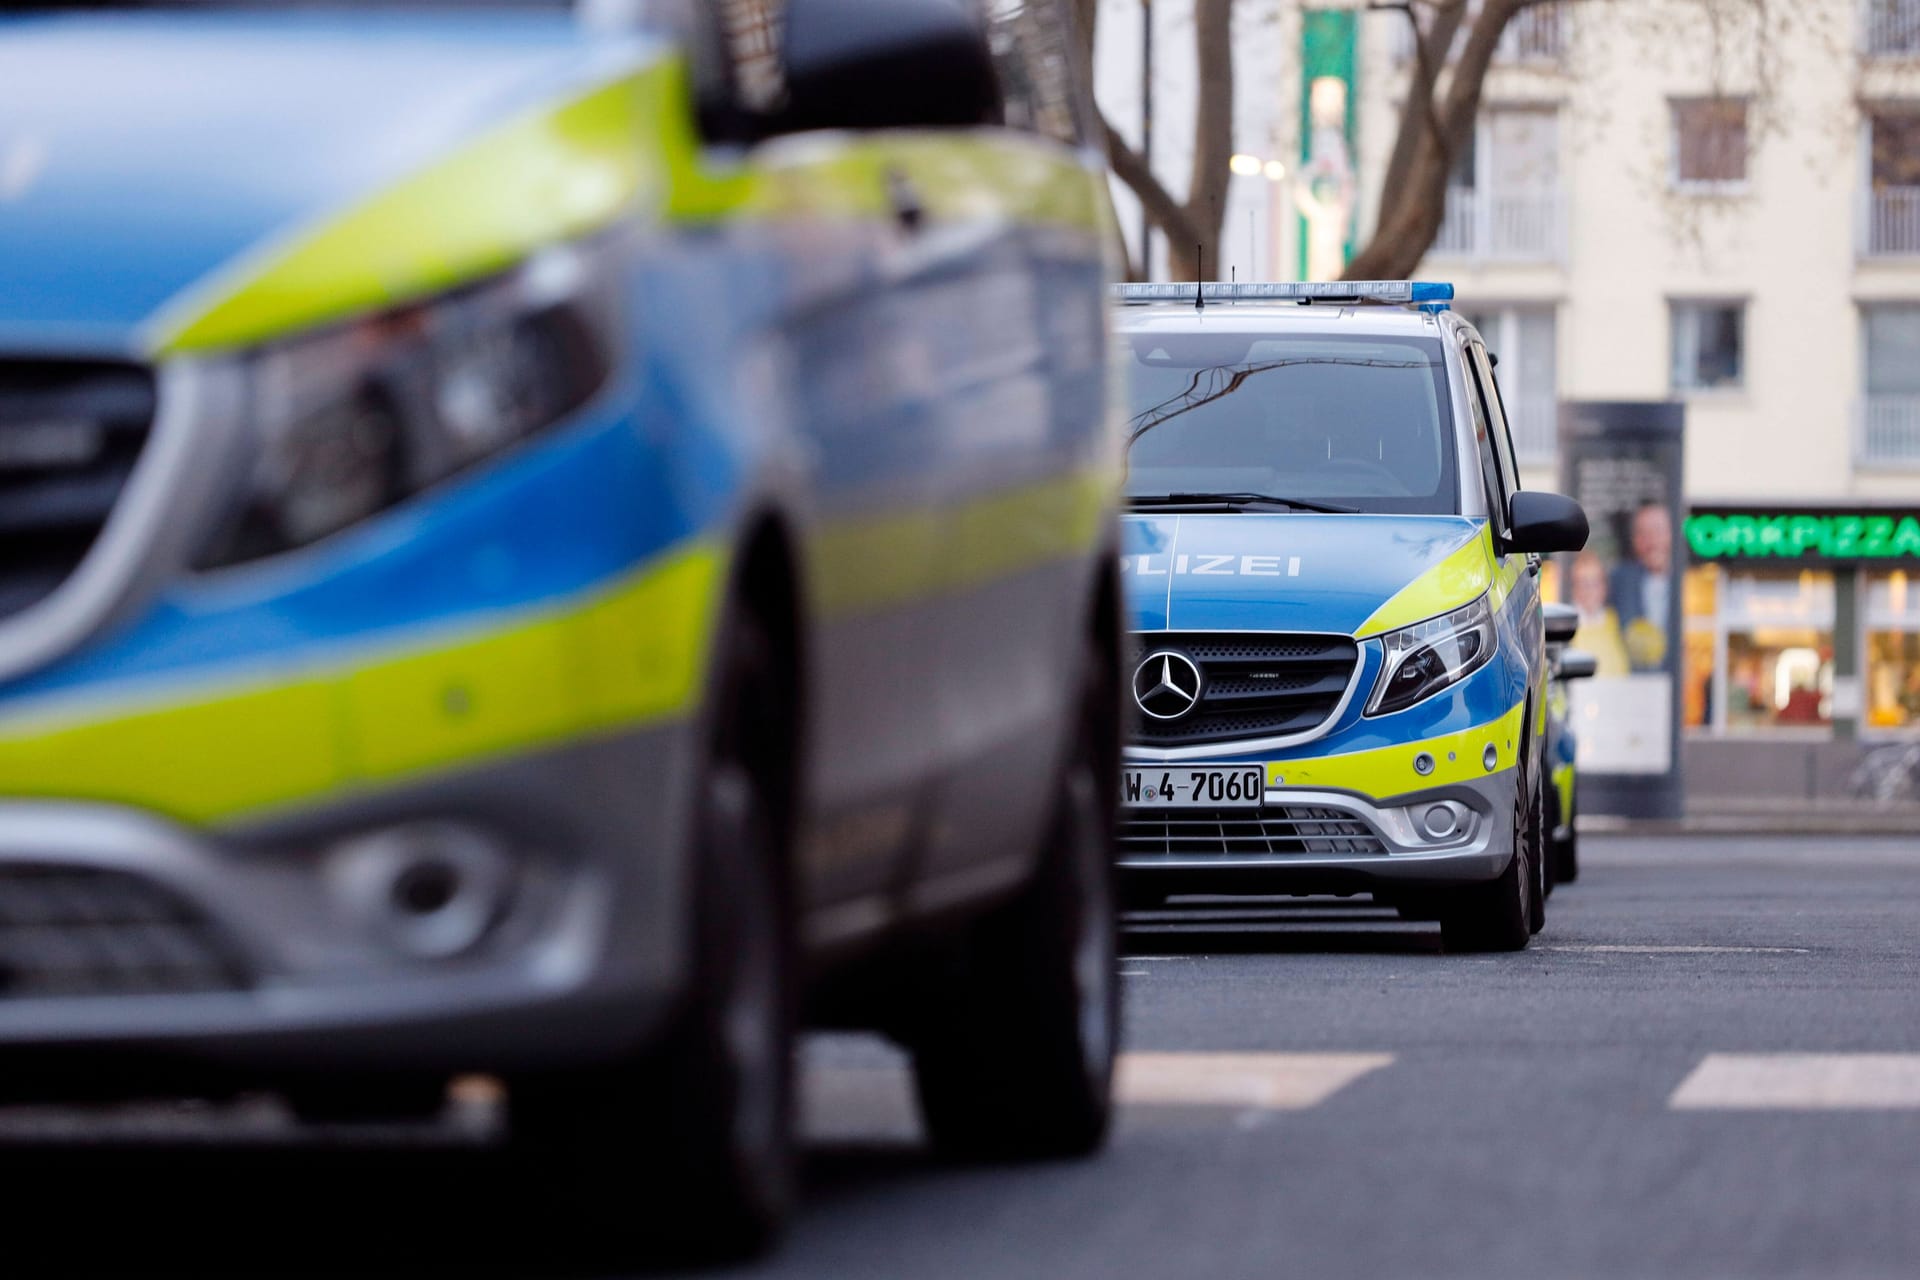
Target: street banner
x,y
1622,462
1326,189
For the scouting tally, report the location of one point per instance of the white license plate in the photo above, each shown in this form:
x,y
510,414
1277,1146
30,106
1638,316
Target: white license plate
x,y
1231,788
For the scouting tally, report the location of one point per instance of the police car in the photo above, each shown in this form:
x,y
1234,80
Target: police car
x,y
1330,567
559,552
1563,802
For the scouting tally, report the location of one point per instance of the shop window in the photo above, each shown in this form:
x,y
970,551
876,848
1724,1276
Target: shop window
x,y
1699,607
1758,650
1700,593
1892,672
1779,677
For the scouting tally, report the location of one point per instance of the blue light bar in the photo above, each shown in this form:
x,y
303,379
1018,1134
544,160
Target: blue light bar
x,y
1391,292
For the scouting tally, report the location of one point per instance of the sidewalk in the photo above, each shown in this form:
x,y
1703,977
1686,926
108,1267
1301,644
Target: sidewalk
x,y
1741,815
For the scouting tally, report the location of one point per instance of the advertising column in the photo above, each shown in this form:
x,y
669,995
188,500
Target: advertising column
x,y
1622,462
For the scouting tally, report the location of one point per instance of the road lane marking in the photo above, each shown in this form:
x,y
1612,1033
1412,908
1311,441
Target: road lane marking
x,y
1801,1082
1257,1081
1635,949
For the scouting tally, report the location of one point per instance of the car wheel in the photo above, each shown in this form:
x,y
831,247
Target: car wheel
x,y
1014,1057
1498,915
1566,852
1537,852
707,1116
1549,863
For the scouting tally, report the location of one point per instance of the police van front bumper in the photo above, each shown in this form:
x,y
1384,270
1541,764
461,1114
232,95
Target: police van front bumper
x,y
1304,840
511,917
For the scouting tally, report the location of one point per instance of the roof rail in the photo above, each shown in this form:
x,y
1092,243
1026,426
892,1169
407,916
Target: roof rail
x,y
1389,292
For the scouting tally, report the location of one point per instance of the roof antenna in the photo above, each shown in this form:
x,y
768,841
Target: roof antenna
x,y
1200,274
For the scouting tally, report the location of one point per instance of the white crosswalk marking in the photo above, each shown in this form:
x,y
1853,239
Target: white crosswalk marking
x,y
1261,1081
1801,1082
872,1100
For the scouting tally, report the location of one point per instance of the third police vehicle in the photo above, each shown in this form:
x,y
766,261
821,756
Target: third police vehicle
x,y
1338,659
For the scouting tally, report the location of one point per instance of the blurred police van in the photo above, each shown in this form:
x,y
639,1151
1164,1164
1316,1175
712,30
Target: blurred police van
x,y
1337,663
559,551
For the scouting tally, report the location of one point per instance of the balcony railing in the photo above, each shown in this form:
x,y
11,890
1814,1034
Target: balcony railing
x,y
1535,421
1537,35
1893,221
1489,225
1889,431
1892,28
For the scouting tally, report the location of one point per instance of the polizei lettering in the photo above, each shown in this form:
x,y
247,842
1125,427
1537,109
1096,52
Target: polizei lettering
x,y
1196,565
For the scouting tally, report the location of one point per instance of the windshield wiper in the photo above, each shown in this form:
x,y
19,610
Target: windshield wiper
x,y
1235,502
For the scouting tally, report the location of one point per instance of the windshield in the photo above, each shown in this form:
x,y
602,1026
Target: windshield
x,y
1355,422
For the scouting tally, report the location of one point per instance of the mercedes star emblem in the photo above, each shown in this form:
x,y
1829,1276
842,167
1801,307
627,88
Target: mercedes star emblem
x,y
1166,685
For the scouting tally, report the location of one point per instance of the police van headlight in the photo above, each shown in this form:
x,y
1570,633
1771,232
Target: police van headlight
x,y
347,422
1429,656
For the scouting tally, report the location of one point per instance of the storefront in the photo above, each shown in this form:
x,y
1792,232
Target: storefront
x,y
1801,623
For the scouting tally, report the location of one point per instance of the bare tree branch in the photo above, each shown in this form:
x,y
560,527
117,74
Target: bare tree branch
x,y
1168,213
1413,200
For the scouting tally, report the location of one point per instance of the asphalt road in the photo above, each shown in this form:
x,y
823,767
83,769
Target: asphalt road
x,y
1315,1092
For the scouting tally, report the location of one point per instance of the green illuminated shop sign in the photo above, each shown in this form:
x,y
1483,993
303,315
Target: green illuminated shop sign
x,y
1731,534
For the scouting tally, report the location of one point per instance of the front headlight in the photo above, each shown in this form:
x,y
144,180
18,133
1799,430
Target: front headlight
x,y
1427,657
350,421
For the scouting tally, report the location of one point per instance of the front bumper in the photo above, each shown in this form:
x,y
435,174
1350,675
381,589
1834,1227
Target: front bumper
x,y
1305,840
579,954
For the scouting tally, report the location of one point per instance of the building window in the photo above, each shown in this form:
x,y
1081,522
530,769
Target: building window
x,y
1890,409
1893,27
1524,340
1893,182
1892,693
1709,143
1700,610
1759,650
1709,345
1503,196
1537,34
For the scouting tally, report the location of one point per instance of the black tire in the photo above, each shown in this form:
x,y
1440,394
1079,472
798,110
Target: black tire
x,y
1537,851
1498,915
1549,863
1014,1058
689,1148
1566,852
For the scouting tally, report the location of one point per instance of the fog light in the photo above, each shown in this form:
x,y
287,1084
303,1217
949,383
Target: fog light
x,y
1423,764
1440,822
429,889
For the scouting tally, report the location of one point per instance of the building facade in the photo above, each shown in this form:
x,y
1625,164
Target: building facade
x,y
1702,200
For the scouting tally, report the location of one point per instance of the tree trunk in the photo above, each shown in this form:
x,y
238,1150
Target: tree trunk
x,y
1206,206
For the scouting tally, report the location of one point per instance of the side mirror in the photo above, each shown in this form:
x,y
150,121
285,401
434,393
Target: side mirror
x,y
1575,665
1545,522
1562,621
886,64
